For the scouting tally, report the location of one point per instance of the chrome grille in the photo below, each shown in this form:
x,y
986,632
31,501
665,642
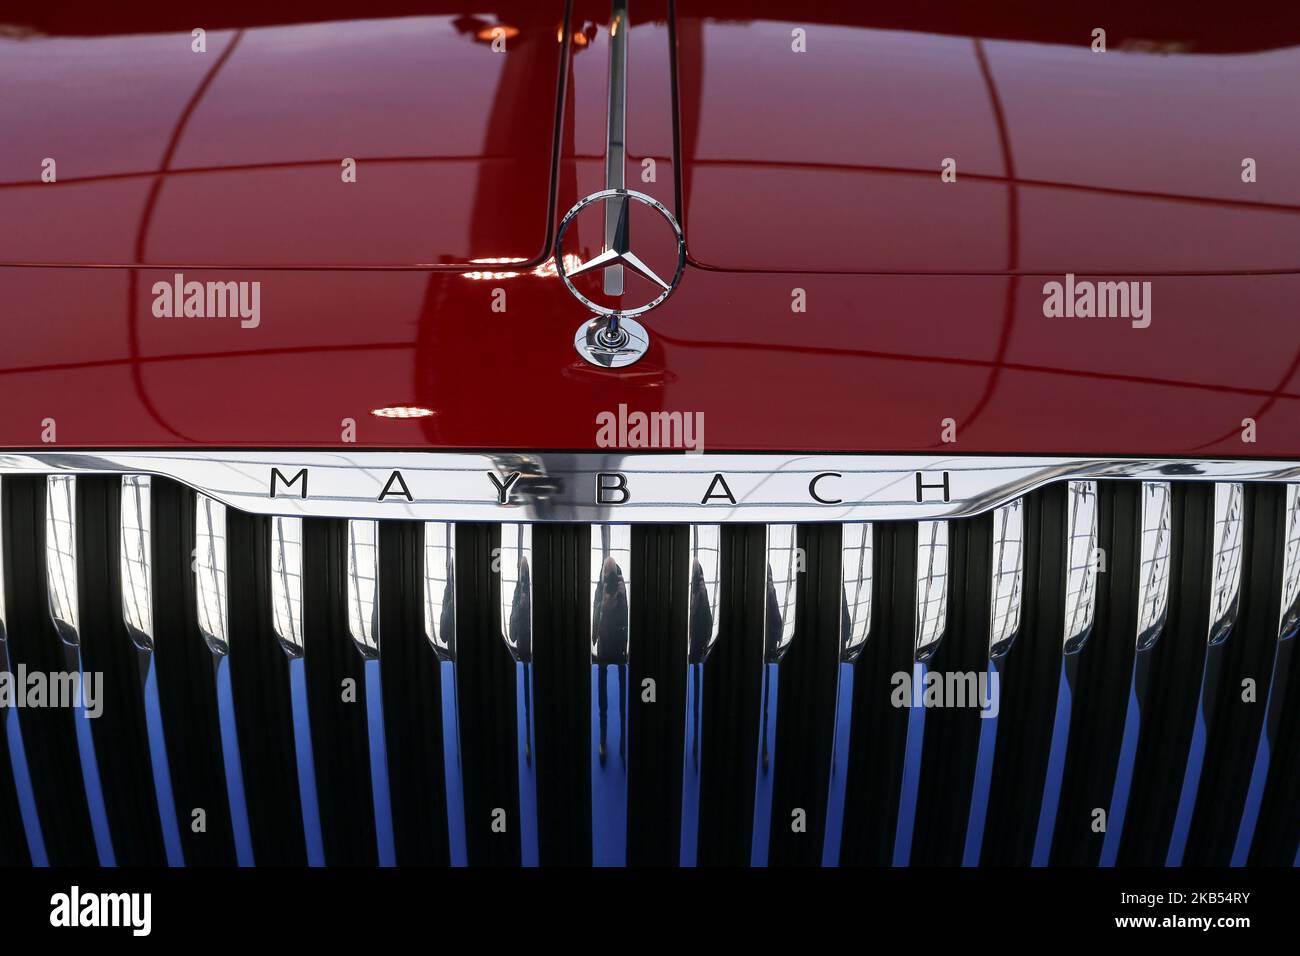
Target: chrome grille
x,y
382,691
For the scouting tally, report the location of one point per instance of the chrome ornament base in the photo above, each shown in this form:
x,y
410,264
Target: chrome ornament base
x,y
606,349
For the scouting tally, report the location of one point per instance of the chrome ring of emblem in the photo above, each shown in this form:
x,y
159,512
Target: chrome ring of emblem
x,y
600,347
602,196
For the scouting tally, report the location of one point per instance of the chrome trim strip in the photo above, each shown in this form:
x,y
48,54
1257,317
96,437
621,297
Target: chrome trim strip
x,y
856,568
286,583
931,622
1225,569
363,624
440,629
704,579
1289,620
440,588
61,575
287,617
616,145
781,567
1153,566
3,633
1008,577
210,599
517,630
857,564
931,587
212,609
610,577
14,735
136,561
454,486
363,587
1080,610
1080,564
1277,683
61,556
1153,610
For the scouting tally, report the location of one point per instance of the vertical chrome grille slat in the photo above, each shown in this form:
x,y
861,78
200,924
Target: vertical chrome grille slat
x,y
1225,563
14,736
705,563
610,579
363,623
856,557
1288,619
1004,626
61,575
1008,577
780,565
931,620
1080,612
1225,591
213,609
287,618
440,629
136,557
1153,611
517,630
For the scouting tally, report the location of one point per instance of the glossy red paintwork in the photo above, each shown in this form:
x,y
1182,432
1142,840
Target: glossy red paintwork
x,y
1066,159
453,142
921,306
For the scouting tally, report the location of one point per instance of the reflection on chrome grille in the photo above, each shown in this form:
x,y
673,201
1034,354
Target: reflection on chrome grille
x,y
733,685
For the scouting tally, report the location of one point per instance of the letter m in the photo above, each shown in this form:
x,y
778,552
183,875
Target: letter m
x,y
1112,300
223,299
276,477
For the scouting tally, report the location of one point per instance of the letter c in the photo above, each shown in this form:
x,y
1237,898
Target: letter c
x,y
812,488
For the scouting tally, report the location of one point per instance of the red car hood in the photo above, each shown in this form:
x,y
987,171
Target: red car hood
x,y
812,176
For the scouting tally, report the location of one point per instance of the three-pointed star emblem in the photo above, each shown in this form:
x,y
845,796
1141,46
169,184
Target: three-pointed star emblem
x,y
620,252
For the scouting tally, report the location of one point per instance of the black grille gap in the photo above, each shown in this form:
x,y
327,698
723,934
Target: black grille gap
x,y
338,728
1277,833
1176,664
952,733
562,670
1230,748
48,734
121,741
259,675
879,728
187,682
1105,673
486,673
412,694
1028,686
733,681
805,731
657,651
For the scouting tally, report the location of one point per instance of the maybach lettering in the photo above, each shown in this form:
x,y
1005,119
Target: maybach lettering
x,y
617,488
